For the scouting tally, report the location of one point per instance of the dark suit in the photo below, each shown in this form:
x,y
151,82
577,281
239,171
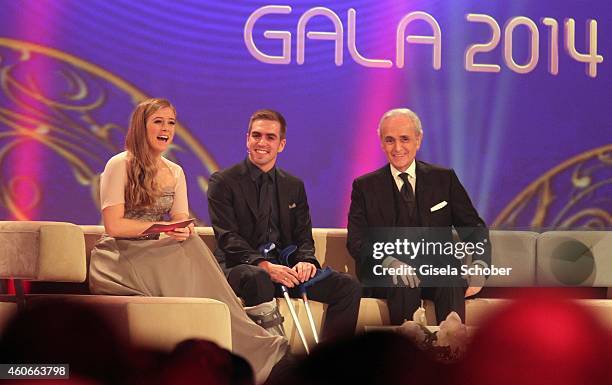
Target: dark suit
x,y
373,205
232,204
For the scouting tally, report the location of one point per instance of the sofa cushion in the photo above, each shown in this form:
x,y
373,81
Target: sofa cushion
x,y
515,249
158,322
42,251
574,258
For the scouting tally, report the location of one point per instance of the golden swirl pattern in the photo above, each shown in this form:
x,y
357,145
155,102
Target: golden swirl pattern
x,y
575,194
74,112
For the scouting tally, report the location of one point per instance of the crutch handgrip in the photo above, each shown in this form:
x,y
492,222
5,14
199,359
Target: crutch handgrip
x,y
285,253
319,276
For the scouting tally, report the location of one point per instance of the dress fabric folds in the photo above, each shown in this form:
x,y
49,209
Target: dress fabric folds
x,y
167,268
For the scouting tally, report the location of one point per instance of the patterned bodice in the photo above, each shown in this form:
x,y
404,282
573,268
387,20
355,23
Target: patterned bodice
x,y
156,212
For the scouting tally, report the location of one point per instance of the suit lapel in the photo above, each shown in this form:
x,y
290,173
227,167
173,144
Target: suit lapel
x,y
423,186
283,190
248,189
384,194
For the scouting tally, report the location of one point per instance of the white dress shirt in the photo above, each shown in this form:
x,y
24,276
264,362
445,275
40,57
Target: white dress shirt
x,y
411,171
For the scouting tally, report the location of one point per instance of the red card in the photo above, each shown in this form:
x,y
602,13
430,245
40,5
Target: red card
x,y
162,228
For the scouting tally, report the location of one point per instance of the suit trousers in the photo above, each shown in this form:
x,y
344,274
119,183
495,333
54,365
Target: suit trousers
x,y
339,291
404,301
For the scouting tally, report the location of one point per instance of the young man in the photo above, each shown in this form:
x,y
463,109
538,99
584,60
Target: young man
x,y
410,194
255,203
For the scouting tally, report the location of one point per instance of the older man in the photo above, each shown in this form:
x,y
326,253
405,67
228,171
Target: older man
x,y
408,193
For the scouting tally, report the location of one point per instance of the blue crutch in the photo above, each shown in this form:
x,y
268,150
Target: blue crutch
x,y
265,249
319,275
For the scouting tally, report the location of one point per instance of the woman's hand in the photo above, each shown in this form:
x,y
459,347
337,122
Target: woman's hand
x,y
180,234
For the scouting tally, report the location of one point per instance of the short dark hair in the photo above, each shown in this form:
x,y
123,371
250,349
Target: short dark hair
x,y
266,114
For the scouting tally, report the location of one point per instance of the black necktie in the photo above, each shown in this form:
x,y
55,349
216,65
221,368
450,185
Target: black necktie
x,y
265,205
406,190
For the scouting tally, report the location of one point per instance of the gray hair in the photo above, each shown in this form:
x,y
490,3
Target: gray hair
x,y
402,112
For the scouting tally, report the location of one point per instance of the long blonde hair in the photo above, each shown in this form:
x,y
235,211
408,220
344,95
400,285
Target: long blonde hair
x,y
141,189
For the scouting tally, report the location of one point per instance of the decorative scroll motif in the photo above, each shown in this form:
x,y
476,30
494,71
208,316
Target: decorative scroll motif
x,y
575,194
74,115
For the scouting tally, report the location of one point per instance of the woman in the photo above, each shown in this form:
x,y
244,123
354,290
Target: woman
x,y
140,187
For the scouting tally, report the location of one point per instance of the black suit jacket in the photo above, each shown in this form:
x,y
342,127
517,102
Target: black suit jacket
x,y
232,205
372,205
